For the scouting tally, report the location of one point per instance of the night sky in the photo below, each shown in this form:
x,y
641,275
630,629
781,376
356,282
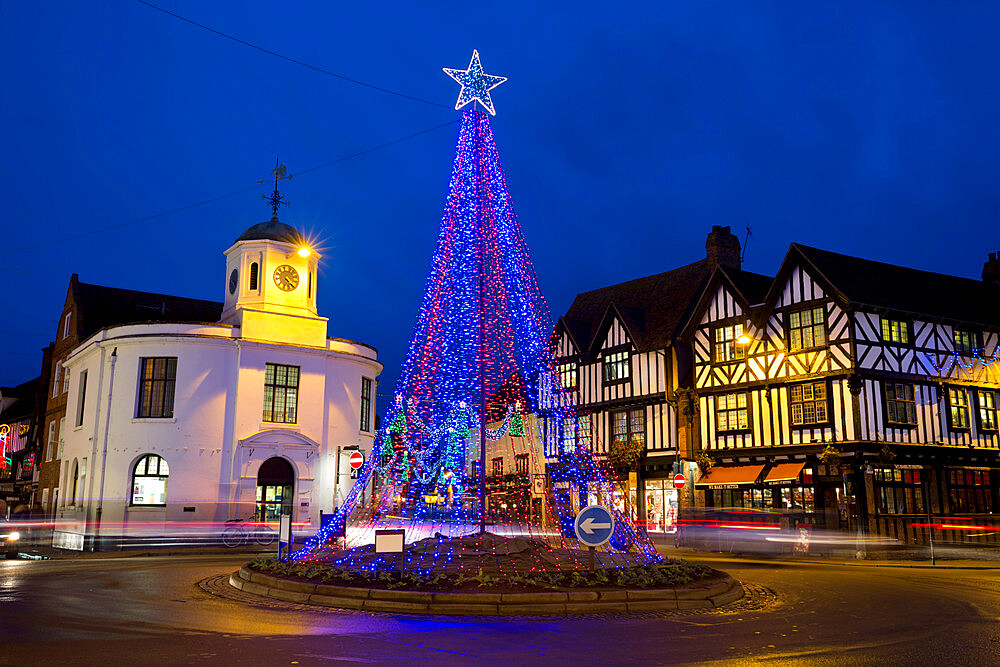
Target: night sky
x,y
625,132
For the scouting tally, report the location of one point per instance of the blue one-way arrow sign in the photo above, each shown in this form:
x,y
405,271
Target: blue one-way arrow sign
x,y
594,525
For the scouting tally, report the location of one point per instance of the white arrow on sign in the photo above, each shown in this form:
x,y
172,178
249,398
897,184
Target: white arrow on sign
x,y
588,525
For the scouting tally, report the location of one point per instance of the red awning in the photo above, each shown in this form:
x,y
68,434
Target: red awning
x,y
784,472
724,476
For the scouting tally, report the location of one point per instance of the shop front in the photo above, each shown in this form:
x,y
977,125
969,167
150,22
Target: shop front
x,y
660,506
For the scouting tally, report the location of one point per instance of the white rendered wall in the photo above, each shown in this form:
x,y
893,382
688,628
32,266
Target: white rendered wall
x,y
216,440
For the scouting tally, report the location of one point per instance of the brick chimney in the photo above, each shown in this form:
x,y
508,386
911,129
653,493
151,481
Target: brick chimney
x,y
722,247
991,270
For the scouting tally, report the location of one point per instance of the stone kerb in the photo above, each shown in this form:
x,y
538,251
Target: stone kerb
x,y
709,593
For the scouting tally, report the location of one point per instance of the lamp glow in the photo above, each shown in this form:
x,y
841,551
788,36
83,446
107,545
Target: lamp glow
x,y
743,339
304,251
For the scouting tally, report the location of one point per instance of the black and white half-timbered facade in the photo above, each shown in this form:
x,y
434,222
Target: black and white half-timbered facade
x,y
851,394
620,364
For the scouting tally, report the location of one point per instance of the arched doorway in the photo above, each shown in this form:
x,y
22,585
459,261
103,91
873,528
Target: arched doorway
x,y
275,484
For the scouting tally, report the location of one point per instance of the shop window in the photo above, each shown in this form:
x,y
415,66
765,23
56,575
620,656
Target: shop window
x,y
661,506
281,393
970,491
958,408
898,491
795,498
895,331
808,403
568,374
616,367
900,404
748,498
806,329
149,481
731,412
727,345
986,401
157,376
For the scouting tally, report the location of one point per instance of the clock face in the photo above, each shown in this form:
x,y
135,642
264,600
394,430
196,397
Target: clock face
x,y
286,278
234,281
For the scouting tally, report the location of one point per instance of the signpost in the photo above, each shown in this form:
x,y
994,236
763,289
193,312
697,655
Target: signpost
x,y
285,533
356,460
594,525
391,541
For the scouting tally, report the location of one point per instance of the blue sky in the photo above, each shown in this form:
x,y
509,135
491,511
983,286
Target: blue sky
x,y
625,130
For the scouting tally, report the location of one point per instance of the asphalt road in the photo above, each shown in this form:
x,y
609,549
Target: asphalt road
x,y
150,611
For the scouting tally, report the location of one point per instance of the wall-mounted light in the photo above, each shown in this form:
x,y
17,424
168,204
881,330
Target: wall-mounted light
x,y
304,251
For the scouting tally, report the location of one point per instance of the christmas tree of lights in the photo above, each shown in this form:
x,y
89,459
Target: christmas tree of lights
x,y
477,377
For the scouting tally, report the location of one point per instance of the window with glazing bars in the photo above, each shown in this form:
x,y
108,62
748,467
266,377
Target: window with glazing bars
x,y
895,331
726,347
629,426
900,405
958,408
616,366
970,491
521,464
567,374
966,341
569,434
497,466
281,393
366,404
808,403
986,400
806,329
731,412
898,491
156,386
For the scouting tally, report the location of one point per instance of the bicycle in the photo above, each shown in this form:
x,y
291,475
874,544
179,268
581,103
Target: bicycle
x,y
240,531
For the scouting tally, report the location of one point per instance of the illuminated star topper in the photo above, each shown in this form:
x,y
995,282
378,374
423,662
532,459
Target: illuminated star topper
x,y
476,85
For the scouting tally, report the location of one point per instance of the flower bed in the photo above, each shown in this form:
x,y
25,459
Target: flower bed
x,y
669,573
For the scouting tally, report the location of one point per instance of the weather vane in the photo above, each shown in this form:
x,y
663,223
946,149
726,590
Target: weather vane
x,y
476,84
276,199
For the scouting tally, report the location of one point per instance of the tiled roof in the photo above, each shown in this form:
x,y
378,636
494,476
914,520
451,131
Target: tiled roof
x,y
653,307
100,307
864,282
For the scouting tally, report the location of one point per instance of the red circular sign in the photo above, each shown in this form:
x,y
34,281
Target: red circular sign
x,y
357,460
679,481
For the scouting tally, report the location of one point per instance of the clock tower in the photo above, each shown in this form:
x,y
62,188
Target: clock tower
x,y
271,286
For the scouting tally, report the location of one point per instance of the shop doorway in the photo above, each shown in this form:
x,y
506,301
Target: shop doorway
x,y
275,484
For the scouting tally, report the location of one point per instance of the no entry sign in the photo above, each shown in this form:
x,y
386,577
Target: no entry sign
x,y
357,460
679,481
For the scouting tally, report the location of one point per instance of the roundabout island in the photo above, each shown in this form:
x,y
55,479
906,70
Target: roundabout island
x,y
488,575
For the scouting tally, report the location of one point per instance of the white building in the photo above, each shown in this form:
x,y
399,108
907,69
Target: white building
x,y
188,424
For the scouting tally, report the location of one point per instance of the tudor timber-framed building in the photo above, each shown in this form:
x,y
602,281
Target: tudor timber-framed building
x,y
890,371
621,364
